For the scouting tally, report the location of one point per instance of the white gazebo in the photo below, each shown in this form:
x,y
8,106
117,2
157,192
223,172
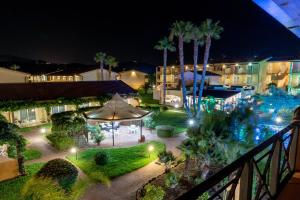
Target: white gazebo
x,y
116,110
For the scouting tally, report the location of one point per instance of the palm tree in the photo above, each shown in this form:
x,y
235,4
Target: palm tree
x,y
210,31
100,58
111,62
197,37
181,29
165,45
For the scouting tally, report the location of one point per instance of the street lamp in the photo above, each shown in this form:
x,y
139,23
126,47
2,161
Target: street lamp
x,y
43,130
191,122
278,119
73,150
150,149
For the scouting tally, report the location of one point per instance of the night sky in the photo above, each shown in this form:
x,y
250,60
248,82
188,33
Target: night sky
x,y
73,32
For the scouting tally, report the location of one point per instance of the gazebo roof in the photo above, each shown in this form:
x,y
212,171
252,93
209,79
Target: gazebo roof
x,y
116,110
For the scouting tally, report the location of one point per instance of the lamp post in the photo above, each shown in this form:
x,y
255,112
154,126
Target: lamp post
x,y
74,151
150,149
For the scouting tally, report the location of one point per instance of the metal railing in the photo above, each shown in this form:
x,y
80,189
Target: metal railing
x,y
261,173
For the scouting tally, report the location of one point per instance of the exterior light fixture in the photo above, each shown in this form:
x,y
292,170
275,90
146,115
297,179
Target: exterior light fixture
x,y
257,138
43,130
73,150
133,73
236,64
278,119
150,149
207,65
250,64
191,122
140,100
224,66
173,67
176,105
153,86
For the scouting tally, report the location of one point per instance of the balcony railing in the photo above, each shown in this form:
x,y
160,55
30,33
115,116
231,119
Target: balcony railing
x,y
259,174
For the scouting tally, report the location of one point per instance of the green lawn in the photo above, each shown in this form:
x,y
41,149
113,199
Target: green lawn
x,y
28,129
10,190
148,99
121,160
175,118
31,154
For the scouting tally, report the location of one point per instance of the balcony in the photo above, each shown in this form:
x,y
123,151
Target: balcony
x,y
269,171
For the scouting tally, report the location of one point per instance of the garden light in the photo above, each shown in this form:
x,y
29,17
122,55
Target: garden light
x,y
43,130
278,119
150,149
191,122
73,150
257,138
176,105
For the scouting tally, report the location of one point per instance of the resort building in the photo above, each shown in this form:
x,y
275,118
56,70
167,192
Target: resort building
x,y
32,104
249,75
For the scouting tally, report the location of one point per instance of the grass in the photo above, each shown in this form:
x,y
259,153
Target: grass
x,y
28,129
121,160
148,99
10,190
32,154
175,118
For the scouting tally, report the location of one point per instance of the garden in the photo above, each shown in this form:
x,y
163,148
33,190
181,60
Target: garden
x,y
106,163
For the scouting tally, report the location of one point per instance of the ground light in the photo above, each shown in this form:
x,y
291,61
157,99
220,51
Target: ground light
x,y
191,122
176,105
43,130
278,119
150,149
73,150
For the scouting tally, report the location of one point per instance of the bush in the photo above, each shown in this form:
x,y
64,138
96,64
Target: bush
x,y
166,158
172,179
60,170
164,108
43,189
165,131
101,158
61,142
153,192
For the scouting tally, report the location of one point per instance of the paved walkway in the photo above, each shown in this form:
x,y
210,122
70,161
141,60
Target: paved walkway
x,y
123,187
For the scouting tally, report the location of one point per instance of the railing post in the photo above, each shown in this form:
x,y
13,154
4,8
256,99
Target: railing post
x,y
296,137
293,148
275,166
245,183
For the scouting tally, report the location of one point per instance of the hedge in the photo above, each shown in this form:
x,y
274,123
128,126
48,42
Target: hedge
x,y
165,131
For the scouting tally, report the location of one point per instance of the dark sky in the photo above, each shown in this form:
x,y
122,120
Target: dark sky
x,y
73,32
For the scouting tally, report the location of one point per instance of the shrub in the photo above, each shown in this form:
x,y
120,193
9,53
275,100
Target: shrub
x,y
165,131
60,170
61,142
172,179
166,158
164,108
31,154
42,189
153,192
101,158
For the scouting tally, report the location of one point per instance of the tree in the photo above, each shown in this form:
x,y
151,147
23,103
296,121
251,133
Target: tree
x,y
8,134
210,30
100,57
165,45
181,29
197,37
111,62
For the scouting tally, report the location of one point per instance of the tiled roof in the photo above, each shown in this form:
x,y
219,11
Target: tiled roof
x,y
51,91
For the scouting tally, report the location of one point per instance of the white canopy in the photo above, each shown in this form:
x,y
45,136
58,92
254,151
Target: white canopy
x,y
116,110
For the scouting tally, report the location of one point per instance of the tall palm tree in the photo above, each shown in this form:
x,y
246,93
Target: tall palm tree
x,y
165,45
210,30
197,37
181,29
100,58
111,62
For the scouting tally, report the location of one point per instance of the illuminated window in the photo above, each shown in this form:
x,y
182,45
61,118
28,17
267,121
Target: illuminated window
x,y
57,109
27,115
